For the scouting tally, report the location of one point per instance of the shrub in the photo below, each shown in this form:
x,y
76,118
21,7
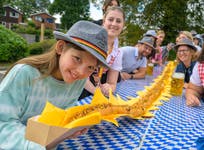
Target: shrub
x,y
40,47
12,46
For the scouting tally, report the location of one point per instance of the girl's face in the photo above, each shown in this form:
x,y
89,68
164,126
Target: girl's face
x,y
184,53
113,23
75,64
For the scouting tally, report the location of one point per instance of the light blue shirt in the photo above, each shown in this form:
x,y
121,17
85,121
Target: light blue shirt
x,y
130,60
23,95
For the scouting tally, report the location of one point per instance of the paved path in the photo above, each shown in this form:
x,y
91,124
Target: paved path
x,y
1,75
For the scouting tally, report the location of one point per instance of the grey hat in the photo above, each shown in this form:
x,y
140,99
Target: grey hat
x,y
187,42
148,41
193,32
88,36
151,33
198,36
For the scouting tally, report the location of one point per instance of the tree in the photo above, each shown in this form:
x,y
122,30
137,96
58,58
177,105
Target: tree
x,y
171,16
1,6
71,11
28,7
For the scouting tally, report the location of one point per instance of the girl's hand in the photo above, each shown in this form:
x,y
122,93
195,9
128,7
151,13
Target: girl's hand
x,y
74,135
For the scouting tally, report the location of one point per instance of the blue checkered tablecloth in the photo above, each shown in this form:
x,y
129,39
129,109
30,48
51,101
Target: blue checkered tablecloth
x,y
175,126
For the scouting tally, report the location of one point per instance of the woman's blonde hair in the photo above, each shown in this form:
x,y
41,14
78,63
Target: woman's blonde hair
x,y
187,34
159,32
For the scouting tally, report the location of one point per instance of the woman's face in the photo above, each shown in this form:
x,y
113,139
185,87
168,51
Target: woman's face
x,y
195,41
113,23
160,39
75,64
184,53
114,3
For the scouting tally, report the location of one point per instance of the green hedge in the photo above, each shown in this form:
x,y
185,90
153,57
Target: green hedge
x,y
40,47
12,46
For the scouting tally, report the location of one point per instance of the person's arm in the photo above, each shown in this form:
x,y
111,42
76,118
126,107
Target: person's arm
x,y
139,73
13,92
193,94
89,86
125,75
111,82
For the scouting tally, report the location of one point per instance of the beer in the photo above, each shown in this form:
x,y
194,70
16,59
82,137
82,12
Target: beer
x,y
150,68
177,84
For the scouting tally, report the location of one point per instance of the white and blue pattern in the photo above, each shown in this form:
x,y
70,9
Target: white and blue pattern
x,y
175,126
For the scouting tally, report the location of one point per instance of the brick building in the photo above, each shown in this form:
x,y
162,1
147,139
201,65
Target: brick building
x,y
10,16
49,21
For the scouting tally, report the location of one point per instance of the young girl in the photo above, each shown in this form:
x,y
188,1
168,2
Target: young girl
x,y
113,22
57,76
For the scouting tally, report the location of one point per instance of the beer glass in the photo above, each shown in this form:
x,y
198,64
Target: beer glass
x,y
150,68
177,84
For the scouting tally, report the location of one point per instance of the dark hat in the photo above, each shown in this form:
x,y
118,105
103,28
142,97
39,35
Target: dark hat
x,y
148,41
88,36
187,42
151,33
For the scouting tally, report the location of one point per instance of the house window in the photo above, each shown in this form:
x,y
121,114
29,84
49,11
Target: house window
x,y
14,14
49,20
3,12
38,18
3,23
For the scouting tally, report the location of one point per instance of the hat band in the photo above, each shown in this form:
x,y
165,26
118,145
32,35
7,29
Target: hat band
x,y
83,42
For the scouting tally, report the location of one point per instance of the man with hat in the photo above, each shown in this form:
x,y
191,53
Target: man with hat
x,y
151,33
186,56
134,61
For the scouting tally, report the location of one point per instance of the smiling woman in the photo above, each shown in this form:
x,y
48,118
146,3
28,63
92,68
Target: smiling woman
x,y
186,56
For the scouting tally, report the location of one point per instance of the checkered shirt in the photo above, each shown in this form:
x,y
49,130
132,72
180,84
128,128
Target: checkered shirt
x,y
201,72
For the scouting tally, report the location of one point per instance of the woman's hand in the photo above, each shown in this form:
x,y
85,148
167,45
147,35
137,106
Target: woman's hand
x,y
96,79
192,100
105,89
